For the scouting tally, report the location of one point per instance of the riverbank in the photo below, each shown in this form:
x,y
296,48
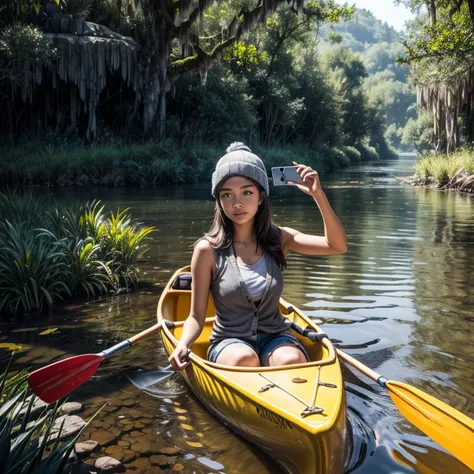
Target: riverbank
x,y
149,164
447,172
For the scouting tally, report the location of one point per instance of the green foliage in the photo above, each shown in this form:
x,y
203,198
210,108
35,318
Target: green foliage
x,y
23,438
382,57
244,57
444,167
350,63
207,113
367,152
450,37
274,88
362,29
384,150
352,153
32,268
47,255
78,8
334,38
393,97
22,46
389,96
419,133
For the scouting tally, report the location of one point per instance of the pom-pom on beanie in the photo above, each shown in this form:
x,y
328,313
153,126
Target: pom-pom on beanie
x,y
239,161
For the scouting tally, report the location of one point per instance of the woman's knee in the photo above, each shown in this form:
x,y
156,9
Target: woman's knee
x,y
238,355
286,355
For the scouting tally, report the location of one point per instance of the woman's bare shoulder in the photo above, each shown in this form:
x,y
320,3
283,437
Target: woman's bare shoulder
x,y
204,253
203,245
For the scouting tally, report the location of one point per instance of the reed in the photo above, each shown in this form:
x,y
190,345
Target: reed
x,y
442,168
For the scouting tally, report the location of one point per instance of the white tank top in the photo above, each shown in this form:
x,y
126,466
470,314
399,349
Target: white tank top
x,y
255,278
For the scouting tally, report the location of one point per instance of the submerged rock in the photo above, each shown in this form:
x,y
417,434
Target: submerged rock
x,y
84,448
72,425
109,465
70,408
104,438
115,452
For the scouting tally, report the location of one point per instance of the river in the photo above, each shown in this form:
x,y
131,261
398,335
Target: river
x,y
400,300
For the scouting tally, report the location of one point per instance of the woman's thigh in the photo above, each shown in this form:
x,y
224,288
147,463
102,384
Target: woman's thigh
x,y
238,354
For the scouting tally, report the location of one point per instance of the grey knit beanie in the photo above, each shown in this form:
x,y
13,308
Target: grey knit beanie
x,y
239,161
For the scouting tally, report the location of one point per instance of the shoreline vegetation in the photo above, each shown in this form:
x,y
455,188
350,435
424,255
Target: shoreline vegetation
x,y
454,172
51,253
150,164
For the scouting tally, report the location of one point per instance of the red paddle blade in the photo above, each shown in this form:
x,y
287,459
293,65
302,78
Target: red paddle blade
x,y
57,380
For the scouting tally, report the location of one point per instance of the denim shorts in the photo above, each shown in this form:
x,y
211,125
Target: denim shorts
x,y
264,345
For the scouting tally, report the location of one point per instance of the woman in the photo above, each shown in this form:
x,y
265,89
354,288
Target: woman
x,y
240,260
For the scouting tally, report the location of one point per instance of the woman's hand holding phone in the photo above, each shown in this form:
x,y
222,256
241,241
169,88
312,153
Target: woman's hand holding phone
x,y
310,183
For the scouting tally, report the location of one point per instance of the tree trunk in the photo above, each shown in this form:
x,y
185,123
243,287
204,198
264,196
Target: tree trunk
x,y
151,101
154,109
471,9
156,77
432,12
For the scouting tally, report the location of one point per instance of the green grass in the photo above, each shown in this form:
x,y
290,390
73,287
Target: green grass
x,y
143,164
443,167
112,164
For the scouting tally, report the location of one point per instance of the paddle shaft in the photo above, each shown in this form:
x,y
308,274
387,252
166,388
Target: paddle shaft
x,y
380,379
128,342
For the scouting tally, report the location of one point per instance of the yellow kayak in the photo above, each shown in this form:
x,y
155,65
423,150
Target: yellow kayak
x,y
296,413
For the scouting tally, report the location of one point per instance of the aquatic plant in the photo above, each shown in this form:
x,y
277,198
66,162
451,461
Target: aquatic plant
x,y
19,208
87,274
119,241
25,441
33,269
48,256
125,242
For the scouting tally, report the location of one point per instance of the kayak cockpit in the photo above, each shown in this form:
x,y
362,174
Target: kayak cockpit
x,y
174,308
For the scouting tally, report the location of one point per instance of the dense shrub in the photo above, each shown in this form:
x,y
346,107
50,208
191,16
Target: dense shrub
x,y
352,153
367,152
47,255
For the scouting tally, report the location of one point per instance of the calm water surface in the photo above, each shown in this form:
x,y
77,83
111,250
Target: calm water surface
x,y
401,301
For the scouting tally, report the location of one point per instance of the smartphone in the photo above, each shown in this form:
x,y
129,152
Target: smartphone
x,y
283,174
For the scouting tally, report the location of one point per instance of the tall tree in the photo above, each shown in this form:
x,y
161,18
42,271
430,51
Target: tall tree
x,y
442,53
179,38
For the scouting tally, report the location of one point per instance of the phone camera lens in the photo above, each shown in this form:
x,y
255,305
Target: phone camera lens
x,y
282,178
282,169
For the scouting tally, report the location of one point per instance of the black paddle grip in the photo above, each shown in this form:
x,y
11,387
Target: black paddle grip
x,y
310,333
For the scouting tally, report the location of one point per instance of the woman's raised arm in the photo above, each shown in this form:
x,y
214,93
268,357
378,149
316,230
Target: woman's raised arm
x,y
334,240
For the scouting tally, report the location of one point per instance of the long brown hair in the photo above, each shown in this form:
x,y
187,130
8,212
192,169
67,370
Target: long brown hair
x,y
268,235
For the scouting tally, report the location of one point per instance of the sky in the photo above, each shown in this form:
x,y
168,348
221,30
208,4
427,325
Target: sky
x,y
385,10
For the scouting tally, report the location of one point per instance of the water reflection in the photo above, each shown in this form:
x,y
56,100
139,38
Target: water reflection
x,y
400,300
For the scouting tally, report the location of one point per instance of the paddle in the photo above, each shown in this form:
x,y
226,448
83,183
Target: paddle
x,y
57,380
447,426
145,378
